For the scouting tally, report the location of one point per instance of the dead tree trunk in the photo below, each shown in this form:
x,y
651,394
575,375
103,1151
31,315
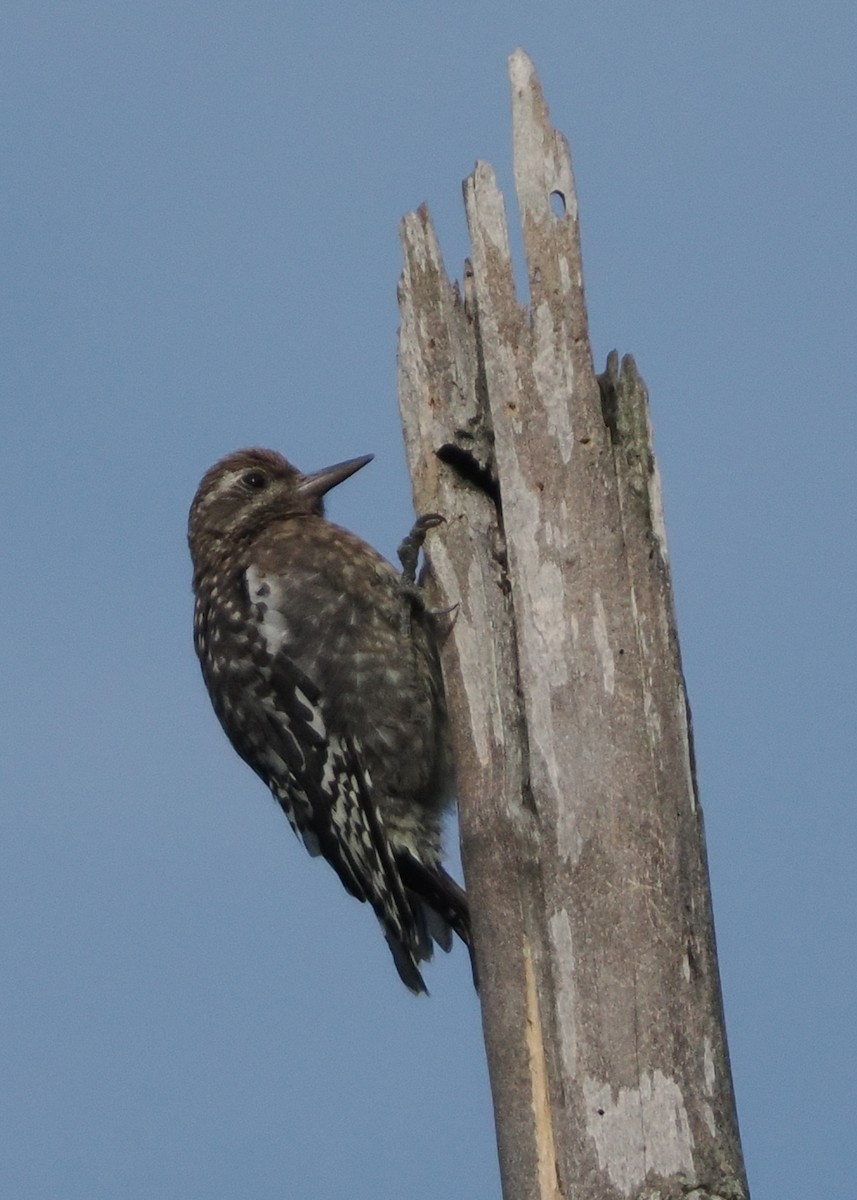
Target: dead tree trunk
x,y
581,830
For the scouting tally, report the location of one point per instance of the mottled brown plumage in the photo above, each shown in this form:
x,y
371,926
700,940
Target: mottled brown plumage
x,y
321,665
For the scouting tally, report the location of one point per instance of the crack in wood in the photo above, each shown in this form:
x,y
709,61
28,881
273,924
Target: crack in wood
x,y
468,468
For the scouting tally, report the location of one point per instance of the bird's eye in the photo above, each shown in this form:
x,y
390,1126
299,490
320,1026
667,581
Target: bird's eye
x,y
255,480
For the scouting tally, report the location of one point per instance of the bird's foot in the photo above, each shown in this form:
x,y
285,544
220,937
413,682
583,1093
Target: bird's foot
x,y
409,550
409,553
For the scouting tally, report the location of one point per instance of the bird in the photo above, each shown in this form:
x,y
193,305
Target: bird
x,y
321,663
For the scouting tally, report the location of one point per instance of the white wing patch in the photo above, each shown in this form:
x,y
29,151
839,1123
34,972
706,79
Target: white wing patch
x,y
315,720
266,598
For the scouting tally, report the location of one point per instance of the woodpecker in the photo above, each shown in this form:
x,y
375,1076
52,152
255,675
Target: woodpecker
x,y
321,663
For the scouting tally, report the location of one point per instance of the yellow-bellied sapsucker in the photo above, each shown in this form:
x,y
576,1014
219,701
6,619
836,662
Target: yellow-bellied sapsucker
x,y
322,668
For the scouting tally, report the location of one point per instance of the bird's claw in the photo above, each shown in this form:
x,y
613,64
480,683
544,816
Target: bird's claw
x,y
409,550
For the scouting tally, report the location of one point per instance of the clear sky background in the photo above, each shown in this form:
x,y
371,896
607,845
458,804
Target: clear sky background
x,y
199,225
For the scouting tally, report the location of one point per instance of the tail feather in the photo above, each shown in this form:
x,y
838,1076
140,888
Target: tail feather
x,y
406,964
443,901
438,928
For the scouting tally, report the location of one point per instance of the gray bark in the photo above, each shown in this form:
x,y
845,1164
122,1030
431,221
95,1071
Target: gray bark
x,y
581,829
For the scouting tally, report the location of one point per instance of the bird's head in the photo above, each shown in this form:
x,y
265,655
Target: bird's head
x,y
248,489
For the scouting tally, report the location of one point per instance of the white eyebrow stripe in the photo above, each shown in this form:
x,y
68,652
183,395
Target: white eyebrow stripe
x,y
224,484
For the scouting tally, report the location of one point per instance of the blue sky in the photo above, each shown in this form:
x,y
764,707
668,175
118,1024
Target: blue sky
x,y
199,228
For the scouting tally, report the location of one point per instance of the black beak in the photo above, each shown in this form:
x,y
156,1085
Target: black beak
x,y
320,482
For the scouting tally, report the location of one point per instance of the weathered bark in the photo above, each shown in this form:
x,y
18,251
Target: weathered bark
x,y
581,830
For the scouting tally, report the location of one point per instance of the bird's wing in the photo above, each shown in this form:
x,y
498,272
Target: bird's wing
x,y
317,776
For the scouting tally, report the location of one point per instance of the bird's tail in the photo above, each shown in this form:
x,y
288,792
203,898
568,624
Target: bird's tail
x,y
442,906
